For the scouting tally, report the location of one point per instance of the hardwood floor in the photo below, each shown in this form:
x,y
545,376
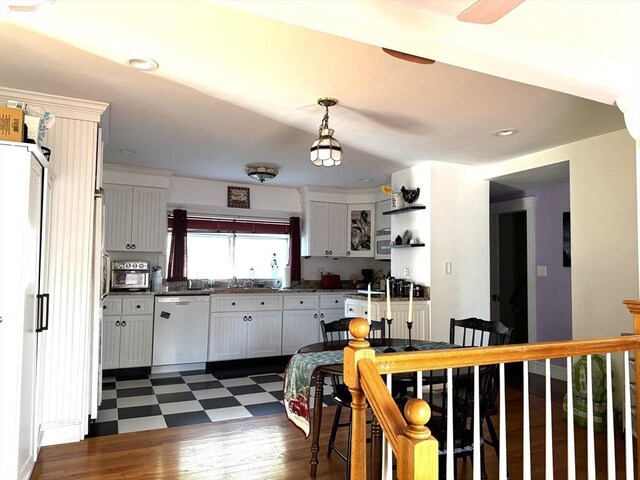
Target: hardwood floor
x,y
264,448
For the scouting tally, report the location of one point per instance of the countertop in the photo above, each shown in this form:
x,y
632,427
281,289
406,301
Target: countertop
x,y
233,291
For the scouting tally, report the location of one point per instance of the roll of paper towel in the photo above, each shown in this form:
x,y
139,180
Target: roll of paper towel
x,y
286,278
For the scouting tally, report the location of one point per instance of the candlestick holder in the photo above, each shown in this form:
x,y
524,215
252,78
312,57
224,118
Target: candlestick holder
x,y
389,349
410,348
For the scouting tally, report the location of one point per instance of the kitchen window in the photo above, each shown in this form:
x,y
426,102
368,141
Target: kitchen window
x,y
216,254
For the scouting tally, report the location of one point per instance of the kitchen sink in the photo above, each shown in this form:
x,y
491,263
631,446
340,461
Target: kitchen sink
x,y
244,289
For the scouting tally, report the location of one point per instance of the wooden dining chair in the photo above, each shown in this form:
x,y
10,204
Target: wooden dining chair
x,y
474,332
333,332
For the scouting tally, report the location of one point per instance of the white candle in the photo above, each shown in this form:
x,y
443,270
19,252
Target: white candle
x,y
410,316
388,300
369,304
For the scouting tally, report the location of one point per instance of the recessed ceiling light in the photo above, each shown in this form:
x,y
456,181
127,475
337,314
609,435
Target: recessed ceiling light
x,y
127,151
144,64
505,132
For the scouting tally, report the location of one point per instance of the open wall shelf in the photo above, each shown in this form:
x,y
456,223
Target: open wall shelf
x,y
404,210
404,245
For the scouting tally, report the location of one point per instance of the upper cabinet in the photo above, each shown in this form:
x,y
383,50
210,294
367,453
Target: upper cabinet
x,y
135,218
324,230
383,222
361,223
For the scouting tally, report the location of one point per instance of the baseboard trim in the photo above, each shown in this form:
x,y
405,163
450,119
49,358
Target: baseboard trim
x,y
63,432
183,367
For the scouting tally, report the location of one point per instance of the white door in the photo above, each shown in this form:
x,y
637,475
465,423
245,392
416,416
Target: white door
x,y
264,334
118,201
337,230
227,336
318,229
149,221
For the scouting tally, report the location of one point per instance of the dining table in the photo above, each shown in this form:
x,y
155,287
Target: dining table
x,y
312,363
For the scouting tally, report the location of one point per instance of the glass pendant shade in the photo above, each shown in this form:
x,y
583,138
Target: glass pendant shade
x,y
326,150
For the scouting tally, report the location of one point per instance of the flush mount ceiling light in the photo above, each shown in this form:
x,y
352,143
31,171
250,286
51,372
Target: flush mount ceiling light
x,y
262,173
144,64
505,132
326,150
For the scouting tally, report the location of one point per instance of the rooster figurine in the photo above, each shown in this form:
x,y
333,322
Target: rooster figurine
x,y
410,196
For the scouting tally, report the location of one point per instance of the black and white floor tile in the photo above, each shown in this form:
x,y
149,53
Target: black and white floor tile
x,y
161,400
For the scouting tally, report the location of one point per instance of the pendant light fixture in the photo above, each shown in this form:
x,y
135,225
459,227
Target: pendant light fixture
x,y
261,173
326,150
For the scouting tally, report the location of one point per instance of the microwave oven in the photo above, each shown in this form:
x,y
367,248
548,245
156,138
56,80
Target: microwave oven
x,y
383,245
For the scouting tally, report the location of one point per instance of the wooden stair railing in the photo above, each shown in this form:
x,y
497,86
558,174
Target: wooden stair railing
x,y
415,449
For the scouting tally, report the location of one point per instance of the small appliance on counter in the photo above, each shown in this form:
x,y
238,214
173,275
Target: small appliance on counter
x,y
330,282
130,275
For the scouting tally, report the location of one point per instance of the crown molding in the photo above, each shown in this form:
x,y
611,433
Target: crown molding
x,y
114,167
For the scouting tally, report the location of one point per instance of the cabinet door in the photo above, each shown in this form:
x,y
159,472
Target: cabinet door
x,y
299,328
337,230
317,231
361,229
227,336
118,201
149,221
355,308
264,335
383,222
331,314
110,342
421,329
136,338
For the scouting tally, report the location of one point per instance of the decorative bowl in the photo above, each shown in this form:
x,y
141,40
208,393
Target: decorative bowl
x,y
410,196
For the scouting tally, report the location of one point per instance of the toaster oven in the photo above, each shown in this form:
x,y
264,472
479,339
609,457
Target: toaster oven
x,y
130,275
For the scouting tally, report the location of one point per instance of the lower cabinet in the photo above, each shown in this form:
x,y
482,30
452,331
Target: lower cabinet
x,y
421,328
241,333
299,328
127,334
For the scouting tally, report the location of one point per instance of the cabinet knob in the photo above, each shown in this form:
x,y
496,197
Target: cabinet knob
x,y
233,303
250,318
104,307
117,323
330,252
261,303
133,246
350,309
301,302
244,319
128,246
315,315
137,306
348,254
336,301
326,252
322,315
124,323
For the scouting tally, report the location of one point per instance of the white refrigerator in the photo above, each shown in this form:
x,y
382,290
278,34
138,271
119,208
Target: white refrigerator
x,y
24,304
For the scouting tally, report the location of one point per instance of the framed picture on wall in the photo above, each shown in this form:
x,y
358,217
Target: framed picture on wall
x,y
238,197
566,239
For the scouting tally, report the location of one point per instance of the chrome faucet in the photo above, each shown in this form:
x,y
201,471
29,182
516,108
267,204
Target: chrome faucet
x,y
234,282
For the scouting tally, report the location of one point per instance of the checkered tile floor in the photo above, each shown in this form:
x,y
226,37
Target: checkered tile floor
x,y
161,400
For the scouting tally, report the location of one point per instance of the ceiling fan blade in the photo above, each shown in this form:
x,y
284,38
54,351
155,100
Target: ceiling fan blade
x,y
408,57
488,11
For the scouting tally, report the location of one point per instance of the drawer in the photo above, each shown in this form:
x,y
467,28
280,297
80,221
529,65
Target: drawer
x,y
112,306
244,303
332,301
301,302
138,305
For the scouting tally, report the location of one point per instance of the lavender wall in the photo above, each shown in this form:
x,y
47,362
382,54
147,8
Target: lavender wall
x,y
553,292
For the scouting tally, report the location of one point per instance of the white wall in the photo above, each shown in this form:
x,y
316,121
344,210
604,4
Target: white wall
x,y
455,228
209,196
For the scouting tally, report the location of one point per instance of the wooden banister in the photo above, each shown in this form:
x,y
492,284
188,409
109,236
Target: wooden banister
x,y
451,358
634,308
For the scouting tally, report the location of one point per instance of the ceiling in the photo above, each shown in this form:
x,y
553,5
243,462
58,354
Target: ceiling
x,y
238,80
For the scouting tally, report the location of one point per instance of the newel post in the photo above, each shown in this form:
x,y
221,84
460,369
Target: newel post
x,y
358,349
417,448
634,308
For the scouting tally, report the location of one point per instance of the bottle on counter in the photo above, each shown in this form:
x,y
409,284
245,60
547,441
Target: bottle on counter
x,y
274,267
156,279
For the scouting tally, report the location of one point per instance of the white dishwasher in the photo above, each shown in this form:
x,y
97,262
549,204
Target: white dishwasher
x,y
180,330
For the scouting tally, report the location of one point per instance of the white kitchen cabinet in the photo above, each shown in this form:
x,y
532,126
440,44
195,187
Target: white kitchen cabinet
x,y
383,222
135,218
127,334
421,329
331,307
361,228
245,326
23,201
324,230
